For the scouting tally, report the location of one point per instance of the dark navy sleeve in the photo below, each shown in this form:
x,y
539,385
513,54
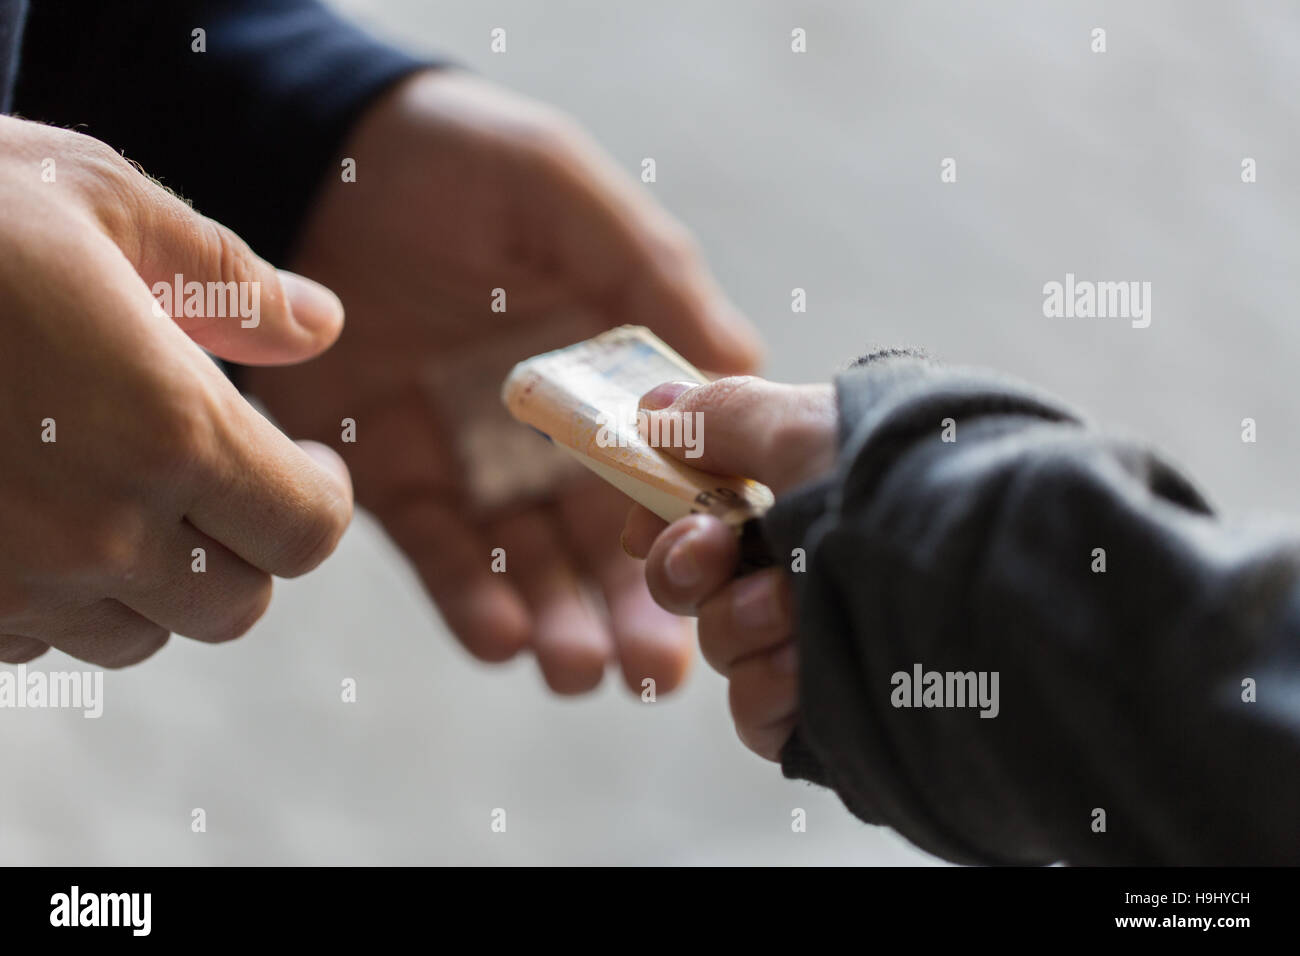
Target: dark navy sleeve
x,y
12,15
1141,654
244,130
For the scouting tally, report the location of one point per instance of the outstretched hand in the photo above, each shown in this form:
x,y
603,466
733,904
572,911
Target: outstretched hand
x,y
466,196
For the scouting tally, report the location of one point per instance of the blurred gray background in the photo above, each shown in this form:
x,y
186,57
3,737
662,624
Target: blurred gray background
x,y
820,171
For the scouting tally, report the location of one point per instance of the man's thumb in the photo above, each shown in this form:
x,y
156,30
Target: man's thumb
x,y
226,298
742,426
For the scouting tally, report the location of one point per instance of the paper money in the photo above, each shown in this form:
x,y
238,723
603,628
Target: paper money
x,y
584,398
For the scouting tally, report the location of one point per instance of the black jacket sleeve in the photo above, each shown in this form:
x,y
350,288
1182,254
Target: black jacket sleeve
x,y
245,130
1147,653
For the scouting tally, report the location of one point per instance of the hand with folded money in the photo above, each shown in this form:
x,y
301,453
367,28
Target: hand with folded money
x,y
483,227
781,435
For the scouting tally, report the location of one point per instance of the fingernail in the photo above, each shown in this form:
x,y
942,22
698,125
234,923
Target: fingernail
x,y
754,605
681,567
313,305
661,396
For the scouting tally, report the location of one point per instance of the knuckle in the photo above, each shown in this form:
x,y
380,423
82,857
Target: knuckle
x,y
178,438
316,536
231,260
725,395
112,186
111,547
102,162
237,625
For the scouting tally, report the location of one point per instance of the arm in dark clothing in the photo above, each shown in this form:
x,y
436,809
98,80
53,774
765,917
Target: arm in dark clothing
x,y
244,130
12,14
1118,690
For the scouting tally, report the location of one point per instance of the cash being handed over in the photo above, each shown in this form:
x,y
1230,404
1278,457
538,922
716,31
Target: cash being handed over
x,y
584,398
